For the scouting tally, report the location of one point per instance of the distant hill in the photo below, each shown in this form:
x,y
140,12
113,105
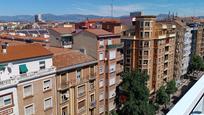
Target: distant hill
x,y
50,17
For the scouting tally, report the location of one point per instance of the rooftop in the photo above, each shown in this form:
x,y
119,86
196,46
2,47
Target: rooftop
x,y
66,57
23,51
104,20
63,30
99,32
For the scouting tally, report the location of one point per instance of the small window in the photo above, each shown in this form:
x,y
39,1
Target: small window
x,y
145,62
141,24
47,84
141,34
146,44
42,65
64,111
81,105
28,90
81,90
78,74
64,96
101,56
101,70
146,53
101,44
147,24
109,41
6,100
47,103
29,110
146,34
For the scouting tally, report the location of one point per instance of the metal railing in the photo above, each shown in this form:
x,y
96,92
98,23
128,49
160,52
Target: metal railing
x,y
17,78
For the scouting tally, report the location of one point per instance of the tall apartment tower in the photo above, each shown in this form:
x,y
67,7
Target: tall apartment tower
x,y
106,48
151,50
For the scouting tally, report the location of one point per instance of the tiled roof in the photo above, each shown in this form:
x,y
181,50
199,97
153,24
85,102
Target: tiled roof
x,y
23,51
66,57
99,32
63,30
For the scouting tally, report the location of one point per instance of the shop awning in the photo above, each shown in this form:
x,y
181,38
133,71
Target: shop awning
x,y
23,68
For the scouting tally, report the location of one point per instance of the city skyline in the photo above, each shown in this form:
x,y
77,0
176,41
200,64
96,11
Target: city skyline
x,y
102,8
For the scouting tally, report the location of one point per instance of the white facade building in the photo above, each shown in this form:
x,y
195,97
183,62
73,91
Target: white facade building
x,y
16,68
186,51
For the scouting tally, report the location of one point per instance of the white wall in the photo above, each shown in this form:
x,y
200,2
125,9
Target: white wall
x,y
32,65
15,98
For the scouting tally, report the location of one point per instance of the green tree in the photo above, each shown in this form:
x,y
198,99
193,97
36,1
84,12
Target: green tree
x,y
171,87
162,97
134,89
196,63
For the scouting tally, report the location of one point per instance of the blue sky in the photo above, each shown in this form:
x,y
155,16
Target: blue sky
x,y
101,7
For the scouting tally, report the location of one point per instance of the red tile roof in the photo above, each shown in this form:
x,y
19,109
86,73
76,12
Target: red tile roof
x,y
23,51
66,57
99,32
63,30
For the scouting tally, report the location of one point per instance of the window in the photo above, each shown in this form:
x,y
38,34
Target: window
x,y
101,44
5,100
28,90
101,96
42,65
101,57
147,24
47,103
109,41
101,70
64,111
146,53
145,62
101,82
64,96
81,90
112,68
47,84
78,74
146,34
91,85
140,62
141,24
141,34
29,110
111,93
81,105
146,44
112,54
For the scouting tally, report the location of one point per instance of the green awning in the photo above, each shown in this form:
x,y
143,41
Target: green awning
x,y
2,67
23,68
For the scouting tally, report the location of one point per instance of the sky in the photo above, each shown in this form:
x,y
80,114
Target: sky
x,y
101,7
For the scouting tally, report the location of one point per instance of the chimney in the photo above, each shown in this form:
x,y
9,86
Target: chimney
x,y
4,48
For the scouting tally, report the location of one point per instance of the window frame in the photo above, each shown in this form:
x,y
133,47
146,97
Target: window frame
x,y
31,90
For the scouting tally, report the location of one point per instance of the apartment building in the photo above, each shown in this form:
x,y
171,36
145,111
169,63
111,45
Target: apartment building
x,y
108,24
61,37
151,50
76,82
26,80
197,40
106,48
182,50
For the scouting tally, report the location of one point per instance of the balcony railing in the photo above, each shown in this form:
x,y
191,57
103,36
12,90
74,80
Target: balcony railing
x,y
17,78
92,104
114,46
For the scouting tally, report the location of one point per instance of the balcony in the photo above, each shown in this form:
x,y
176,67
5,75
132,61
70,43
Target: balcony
x,y
101,109
81,110
120,56
92,104
114,46
172,35
162,36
